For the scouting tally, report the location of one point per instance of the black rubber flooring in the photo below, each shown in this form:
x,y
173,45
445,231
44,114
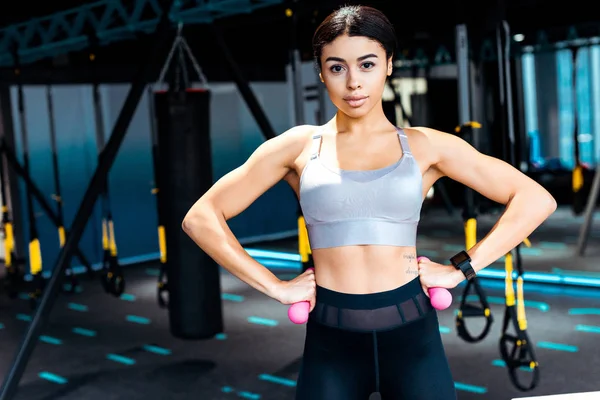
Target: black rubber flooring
x,y
96,346
99,347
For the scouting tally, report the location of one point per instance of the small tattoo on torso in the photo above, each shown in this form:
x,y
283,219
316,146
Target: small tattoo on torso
x,y
411,269
410,257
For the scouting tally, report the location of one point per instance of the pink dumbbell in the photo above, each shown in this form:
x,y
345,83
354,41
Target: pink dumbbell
x,y
440,298
298,312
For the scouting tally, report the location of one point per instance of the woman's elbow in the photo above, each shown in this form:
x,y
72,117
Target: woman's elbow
x,y
551,203
545,202
189,222
194,221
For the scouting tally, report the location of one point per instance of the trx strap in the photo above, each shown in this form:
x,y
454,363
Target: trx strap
x,y
577,180
71,278
162,284
516,349
112,278
470,310
35,256
12,274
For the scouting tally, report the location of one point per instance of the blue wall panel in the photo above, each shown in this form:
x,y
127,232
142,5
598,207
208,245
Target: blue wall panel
x,y
73,146
77,159
234,133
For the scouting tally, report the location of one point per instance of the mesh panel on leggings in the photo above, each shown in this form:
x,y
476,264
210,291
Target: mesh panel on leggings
x,y
381,318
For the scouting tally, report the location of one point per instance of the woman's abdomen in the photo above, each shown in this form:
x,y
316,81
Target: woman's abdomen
x,y
365,269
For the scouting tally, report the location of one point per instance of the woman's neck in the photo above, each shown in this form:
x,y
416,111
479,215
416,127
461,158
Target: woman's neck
x,y
374,121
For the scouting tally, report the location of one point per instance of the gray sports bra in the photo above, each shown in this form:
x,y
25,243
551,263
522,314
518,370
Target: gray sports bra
x,y
373,207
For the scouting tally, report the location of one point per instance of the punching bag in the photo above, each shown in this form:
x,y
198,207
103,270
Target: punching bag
x,y
185,173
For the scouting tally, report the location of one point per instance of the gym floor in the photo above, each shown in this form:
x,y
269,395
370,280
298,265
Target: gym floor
x,y
96,346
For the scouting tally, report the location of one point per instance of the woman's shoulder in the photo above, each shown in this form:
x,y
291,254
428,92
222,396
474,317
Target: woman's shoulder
x,y
292,142
301,132
422,136
421,132
298,137
425,142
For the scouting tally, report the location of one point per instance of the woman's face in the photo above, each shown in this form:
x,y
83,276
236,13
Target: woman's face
x,y
354,70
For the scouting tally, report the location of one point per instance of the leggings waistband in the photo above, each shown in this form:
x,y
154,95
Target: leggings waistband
x,y
369,301
373,311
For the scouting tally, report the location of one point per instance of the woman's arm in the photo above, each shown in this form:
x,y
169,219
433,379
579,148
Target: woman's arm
x,y
206,221
528,204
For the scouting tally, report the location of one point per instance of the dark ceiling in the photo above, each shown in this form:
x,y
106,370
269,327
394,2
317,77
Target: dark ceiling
x,y
260,41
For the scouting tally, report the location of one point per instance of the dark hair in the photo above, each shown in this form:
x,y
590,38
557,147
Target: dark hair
x,y
355,21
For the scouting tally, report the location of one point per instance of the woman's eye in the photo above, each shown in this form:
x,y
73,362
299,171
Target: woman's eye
x,y
368,65
336,68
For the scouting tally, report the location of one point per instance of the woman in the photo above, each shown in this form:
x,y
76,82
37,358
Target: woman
x,y
361,182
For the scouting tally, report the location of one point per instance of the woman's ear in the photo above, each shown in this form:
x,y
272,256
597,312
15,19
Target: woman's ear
x,y
321,77
390,66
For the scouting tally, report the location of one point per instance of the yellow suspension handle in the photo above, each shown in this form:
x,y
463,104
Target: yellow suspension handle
x,y
577,178
521,318
112,242
162,244
303,242
105,244
509,289
9,244
61,235
470,232
35,257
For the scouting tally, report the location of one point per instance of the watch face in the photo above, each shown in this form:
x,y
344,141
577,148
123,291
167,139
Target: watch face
x,y
460,257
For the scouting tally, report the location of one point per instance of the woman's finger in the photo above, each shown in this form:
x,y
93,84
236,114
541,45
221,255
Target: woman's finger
x,y
425,290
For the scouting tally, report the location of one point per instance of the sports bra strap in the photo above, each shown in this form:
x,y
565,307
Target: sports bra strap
x,y
404,142
316,146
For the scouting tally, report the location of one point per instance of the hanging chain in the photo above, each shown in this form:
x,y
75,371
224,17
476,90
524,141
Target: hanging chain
x,y
181,44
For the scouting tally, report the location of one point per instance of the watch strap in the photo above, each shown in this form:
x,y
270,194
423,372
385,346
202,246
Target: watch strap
x,y
462,261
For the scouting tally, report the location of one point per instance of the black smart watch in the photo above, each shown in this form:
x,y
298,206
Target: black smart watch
x,y
462,261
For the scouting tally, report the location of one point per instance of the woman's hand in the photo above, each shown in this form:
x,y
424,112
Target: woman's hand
x,y
301,288
433,274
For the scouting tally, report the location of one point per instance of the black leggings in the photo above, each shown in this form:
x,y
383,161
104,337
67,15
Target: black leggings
x,y
387,342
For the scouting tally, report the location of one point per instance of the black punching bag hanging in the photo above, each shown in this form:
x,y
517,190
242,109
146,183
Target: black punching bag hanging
x,y
184,150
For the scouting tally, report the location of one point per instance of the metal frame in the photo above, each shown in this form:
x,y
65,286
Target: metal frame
x,y
147,68
110,21
586,226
